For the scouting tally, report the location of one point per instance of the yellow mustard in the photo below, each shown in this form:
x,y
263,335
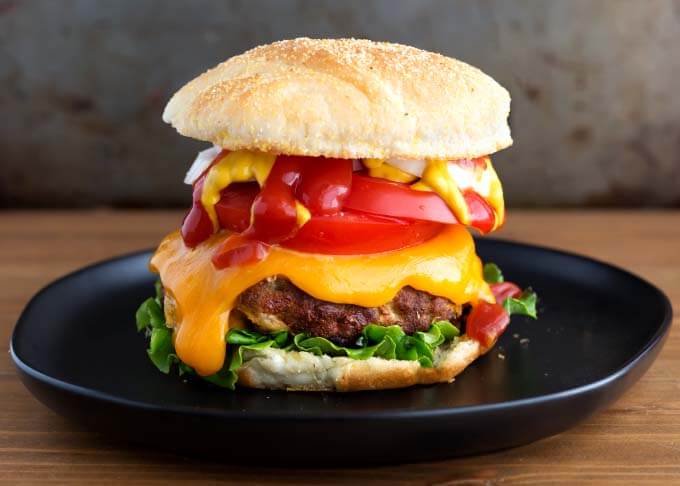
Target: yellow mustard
x,y
240,166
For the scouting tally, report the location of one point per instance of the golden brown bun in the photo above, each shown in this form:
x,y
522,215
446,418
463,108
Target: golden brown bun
x,y
276,369
345,98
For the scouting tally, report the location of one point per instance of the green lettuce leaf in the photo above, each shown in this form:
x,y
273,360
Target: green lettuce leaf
x,y
524,305
159,292
161,350
492,274
227,377
150,314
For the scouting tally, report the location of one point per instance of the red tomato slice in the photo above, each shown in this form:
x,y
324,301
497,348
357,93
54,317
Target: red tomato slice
x,y
387,198
233,209
486,322
346,233
353,233
482,216
503,290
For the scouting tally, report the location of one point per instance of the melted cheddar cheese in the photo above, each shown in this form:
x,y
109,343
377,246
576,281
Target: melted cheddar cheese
x,y
203,297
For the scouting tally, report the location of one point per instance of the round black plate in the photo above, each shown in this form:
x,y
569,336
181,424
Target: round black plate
x,y
77,350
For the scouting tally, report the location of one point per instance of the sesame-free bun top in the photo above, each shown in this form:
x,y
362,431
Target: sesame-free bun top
x,y
345,98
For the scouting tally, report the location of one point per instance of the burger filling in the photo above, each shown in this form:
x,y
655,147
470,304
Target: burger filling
x,y
382,262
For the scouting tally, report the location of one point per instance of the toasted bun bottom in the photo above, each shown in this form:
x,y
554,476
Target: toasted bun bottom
x,y
276,369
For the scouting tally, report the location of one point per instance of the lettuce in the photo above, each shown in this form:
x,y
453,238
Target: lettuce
x,y
150,318
161,350
524,305
387,342
492,274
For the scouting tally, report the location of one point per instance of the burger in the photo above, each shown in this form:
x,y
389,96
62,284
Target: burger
x,y
328,244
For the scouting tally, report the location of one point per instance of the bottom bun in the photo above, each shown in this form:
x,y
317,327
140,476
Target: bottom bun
x,y
276,369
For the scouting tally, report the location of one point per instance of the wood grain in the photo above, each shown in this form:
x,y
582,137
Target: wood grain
x,y
637,440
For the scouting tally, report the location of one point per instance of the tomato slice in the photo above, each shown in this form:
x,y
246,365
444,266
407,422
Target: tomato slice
x,y
482,216
486,322
503,290
387,198
352,233
233,209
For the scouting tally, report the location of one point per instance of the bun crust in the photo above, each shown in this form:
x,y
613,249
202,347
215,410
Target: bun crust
x,y
345,98
276,369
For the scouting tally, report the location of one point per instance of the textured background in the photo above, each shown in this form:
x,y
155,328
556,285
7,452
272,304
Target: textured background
x,y
596,113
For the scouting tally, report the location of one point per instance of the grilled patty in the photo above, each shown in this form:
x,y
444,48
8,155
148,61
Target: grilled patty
x,y
276,304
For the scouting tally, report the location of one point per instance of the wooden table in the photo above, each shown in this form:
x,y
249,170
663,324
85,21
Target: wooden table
x,y
635,440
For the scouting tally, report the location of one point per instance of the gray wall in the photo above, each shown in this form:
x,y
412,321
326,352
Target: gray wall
x,y
596,114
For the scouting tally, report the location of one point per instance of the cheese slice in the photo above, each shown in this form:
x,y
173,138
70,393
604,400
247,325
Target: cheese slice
x,y
445,265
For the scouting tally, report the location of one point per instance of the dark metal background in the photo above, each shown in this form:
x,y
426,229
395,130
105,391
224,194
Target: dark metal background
x,y
596,111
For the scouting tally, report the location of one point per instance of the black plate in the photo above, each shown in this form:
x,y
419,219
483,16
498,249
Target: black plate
x,y
76,349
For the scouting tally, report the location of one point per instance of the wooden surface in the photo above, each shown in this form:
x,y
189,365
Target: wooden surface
x,y
637,440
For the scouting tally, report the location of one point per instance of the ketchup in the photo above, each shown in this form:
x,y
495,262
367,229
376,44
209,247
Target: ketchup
x,y
196,226
503,290
239,250
321,186
486,323
325,185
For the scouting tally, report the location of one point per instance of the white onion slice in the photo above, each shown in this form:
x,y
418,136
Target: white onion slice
x,y
201,163
413,167
477,179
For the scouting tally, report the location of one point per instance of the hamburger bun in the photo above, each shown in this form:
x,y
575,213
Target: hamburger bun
x,y
345,98
293,370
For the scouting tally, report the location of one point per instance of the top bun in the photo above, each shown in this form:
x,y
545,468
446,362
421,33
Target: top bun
x,y
346,98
